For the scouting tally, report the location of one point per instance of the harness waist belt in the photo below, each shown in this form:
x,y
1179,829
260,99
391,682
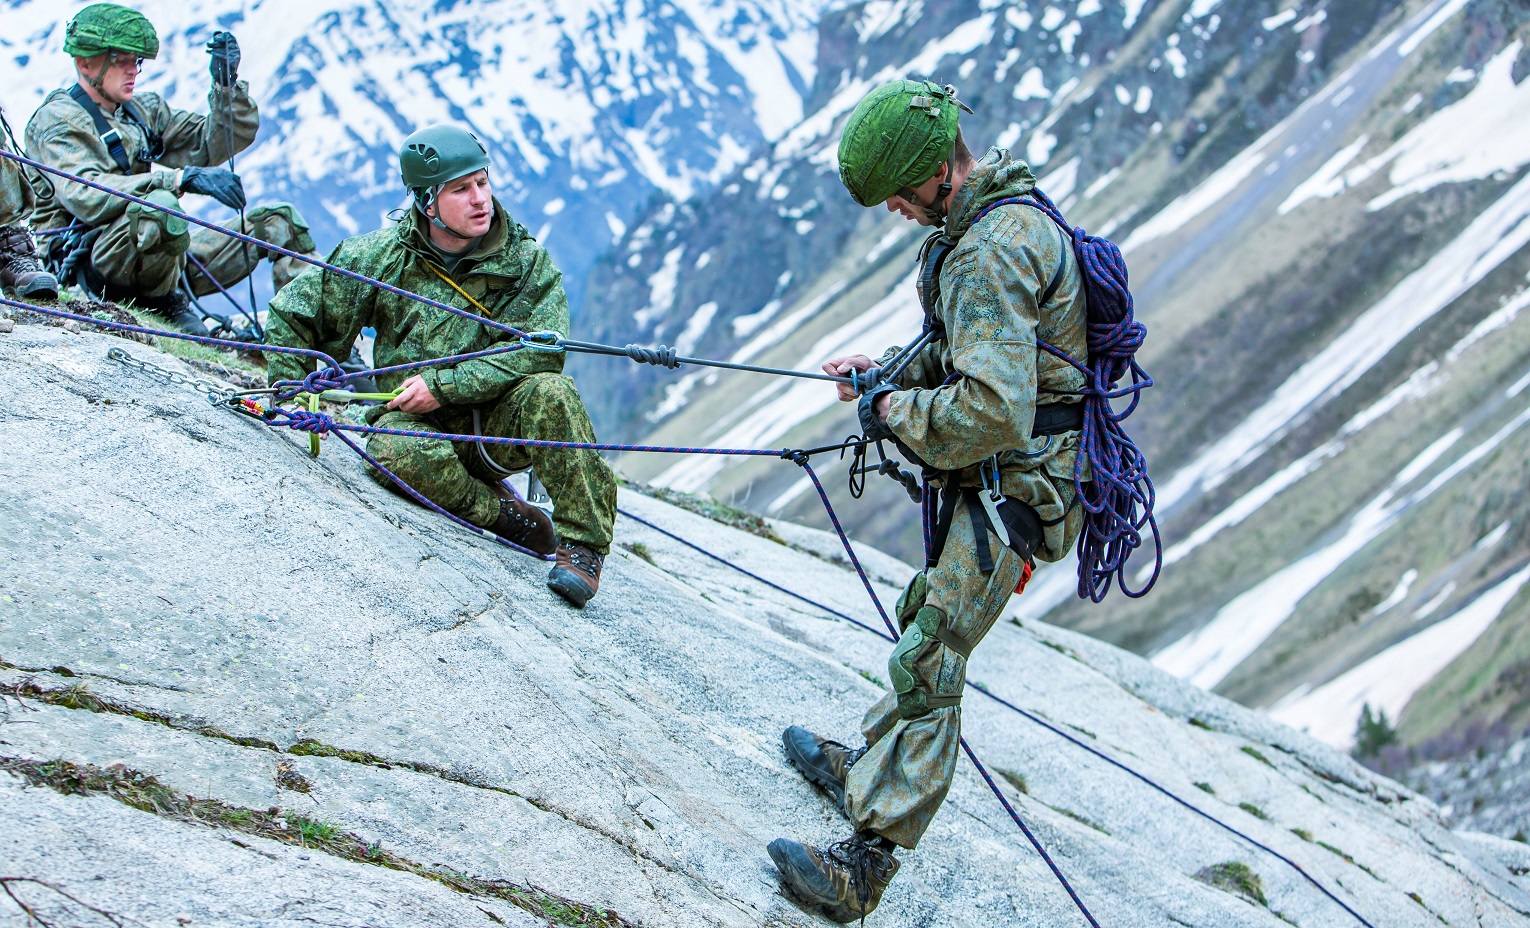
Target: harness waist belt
x,y
1058,418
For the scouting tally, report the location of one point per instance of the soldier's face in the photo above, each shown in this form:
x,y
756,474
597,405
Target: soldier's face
x,y
466,204
910,202
118,74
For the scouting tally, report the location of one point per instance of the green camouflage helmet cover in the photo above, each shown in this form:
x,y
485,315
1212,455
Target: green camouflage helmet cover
x,y
436,155
896,137
108,27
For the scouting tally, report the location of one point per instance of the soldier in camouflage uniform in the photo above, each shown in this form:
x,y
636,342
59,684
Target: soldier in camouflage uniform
x,y
1008,279
20,273
102,130
458,245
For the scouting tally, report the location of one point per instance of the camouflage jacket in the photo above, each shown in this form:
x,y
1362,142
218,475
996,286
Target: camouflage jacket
x,y
988,293
508,273
62,135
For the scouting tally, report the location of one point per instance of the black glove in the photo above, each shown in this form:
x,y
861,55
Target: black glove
x,y
221,184
872,426
224,49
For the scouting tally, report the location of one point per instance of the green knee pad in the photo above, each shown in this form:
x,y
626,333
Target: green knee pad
x,y
173,229
299,240
916,697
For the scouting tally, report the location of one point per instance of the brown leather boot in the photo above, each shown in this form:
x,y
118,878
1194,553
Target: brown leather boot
x,y
523,524
844,881
824,762
20,271
577,575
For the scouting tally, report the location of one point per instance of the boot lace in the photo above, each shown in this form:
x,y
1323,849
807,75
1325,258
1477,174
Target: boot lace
x,y
860,855
585,560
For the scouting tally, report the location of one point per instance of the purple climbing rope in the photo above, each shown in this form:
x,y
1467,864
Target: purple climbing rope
x,y
202,268
160,333
1029,716
1117,495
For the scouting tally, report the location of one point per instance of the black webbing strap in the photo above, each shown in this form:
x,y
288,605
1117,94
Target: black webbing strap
x,y
979,530
108,133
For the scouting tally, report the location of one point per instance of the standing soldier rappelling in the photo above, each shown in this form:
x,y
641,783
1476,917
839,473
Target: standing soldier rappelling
x,y
104,131
458,245
995,421
21,274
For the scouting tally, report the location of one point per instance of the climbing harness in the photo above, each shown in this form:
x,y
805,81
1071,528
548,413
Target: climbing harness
x,y
1117,495
153,150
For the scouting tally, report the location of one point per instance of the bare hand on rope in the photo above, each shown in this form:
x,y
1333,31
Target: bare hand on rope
x,y
415,397
841,367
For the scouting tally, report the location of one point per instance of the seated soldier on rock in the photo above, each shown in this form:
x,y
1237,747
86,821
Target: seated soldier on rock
x,y
100,129
458,245
20,273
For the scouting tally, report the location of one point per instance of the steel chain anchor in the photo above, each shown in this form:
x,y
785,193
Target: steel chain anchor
x,y
216,393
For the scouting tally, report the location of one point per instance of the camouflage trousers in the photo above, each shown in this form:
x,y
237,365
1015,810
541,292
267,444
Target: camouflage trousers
x,y
454,476
146,251
912,733
16,196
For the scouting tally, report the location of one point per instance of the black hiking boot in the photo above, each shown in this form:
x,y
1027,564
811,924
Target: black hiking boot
x,y
175,308
844,881
577,575
20,271
825,763
523,524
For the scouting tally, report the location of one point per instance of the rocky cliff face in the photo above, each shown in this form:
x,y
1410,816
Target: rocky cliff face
x,y
240,685
1324,209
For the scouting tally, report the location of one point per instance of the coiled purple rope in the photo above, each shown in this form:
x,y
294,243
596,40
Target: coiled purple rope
x,y
1118,497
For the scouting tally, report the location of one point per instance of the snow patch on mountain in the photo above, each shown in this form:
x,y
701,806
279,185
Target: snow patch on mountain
x,y
1388,681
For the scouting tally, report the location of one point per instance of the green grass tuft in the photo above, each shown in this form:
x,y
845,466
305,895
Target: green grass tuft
x,y
1206,788
1254,810
1253,752
1235,878
1302,833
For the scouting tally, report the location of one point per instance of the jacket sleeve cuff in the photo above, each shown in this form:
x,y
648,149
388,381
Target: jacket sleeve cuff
x,y
442,383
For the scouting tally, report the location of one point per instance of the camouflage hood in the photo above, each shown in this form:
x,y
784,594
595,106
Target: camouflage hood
x,y
996,177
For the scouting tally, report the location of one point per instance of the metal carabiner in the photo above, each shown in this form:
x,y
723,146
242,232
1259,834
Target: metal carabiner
x,y
992,496
543,341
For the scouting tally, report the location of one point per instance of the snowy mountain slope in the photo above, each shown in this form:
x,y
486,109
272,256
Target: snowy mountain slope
x,y
1325,210
589,106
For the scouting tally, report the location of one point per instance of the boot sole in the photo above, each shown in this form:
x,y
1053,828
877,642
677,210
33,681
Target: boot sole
x,y
819,778
575,591
792,862
36,292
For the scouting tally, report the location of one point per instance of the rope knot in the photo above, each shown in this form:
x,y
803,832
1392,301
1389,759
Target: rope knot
x,y
662,356
315,423
331,378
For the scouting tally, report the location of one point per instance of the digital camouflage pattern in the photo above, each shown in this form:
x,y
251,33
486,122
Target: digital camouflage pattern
x,y
16,197
896,137
520,394
140,248
103,27
989,289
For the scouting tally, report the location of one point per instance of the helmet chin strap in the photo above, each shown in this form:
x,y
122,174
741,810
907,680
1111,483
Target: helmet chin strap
x,y
936,212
